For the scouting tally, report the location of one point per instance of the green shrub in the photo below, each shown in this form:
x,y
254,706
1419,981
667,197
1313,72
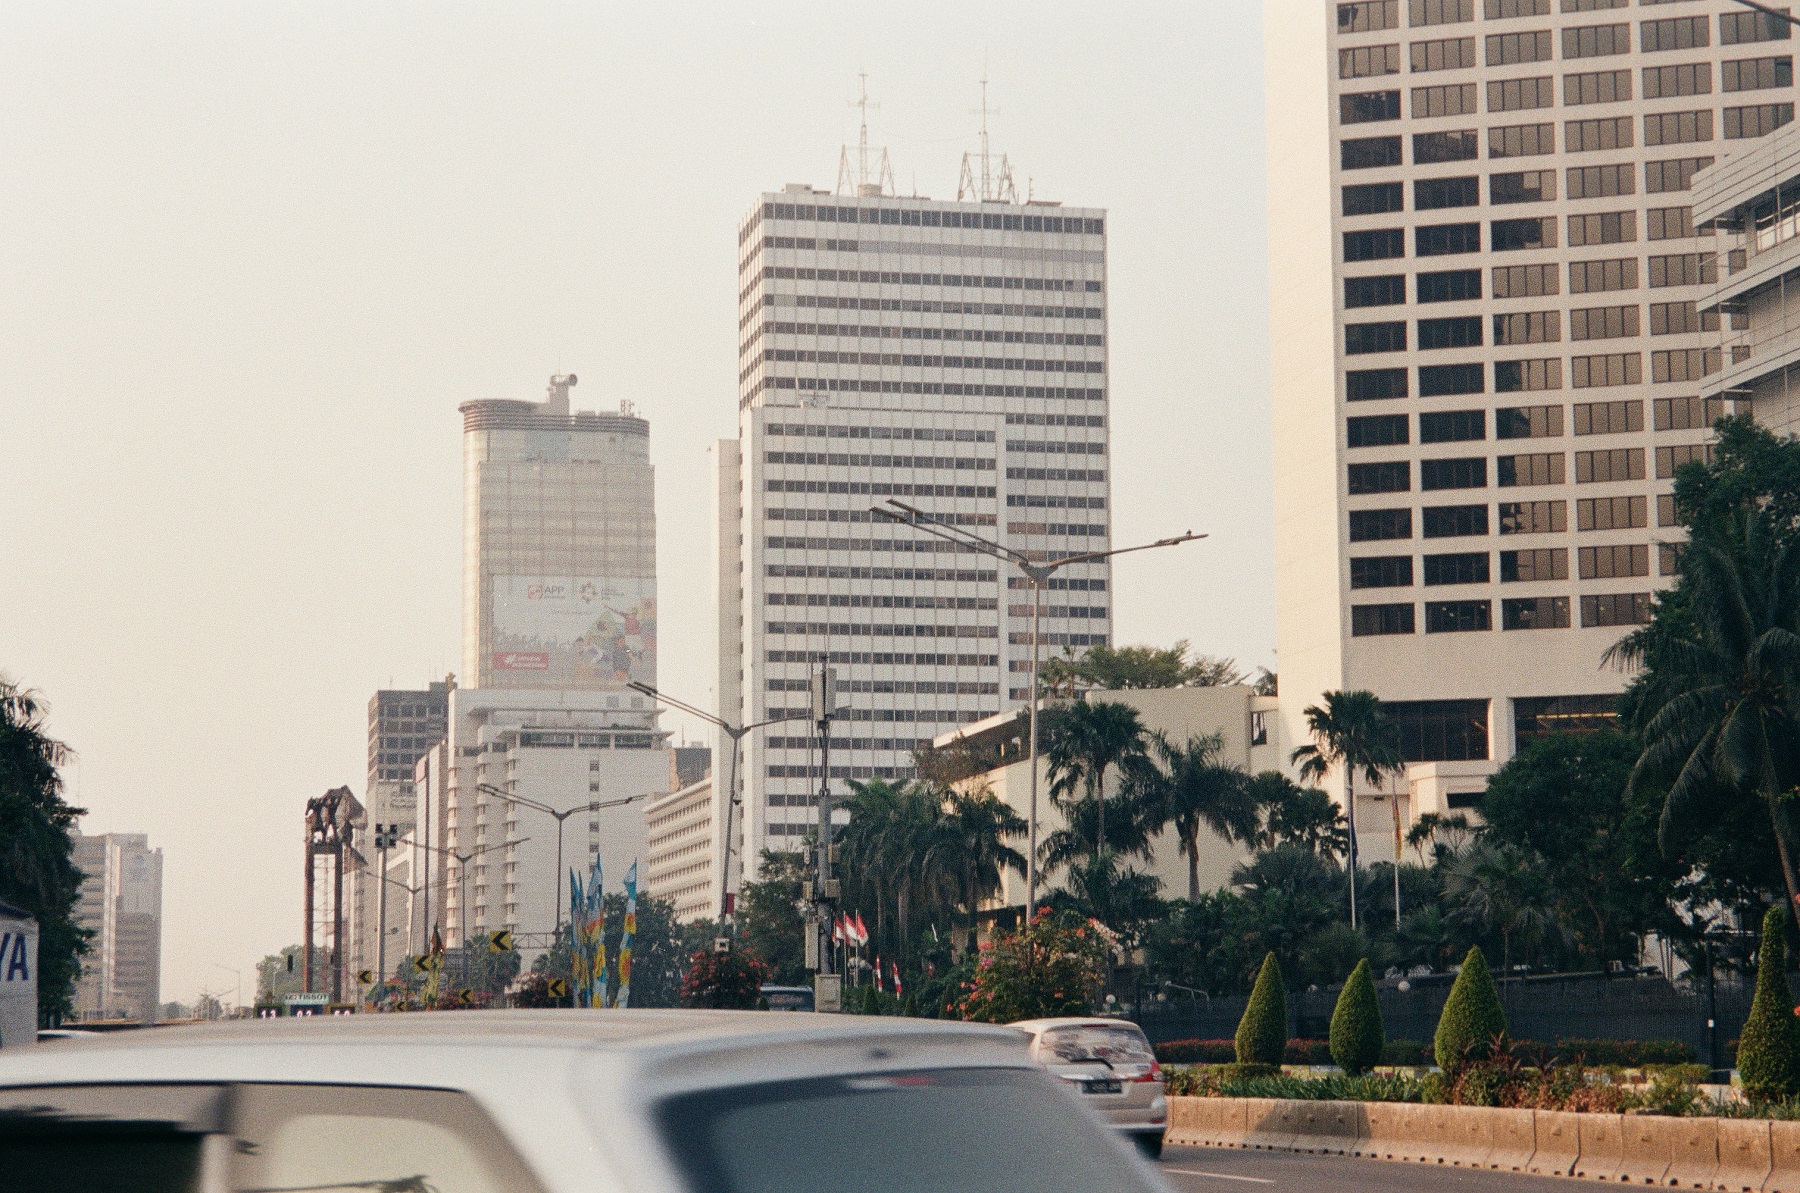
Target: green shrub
x,y
1262,1032
1196,1052
1357,1033
871,1001
1768,1051
909,1006
1472,1020
1628,1053
1406,1052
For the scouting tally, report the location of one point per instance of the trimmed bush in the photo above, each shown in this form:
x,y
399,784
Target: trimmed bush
x,y
1629,1054
1262,1032
1357,1033
909,1006
871,1001
1472,1018
1769,1051
1406,1052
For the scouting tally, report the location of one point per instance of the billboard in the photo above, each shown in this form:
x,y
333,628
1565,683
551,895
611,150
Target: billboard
x,y
573,631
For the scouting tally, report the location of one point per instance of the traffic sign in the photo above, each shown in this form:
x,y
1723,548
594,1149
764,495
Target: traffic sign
x,y
429,963
466,997
501,941
557,988
365,977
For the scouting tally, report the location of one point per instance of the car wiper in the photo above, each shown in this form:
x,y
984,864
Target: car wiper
x,y
1088,1060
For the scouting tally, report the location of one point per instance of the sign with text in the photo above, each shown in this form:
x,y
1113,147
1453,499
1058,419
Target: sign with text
x,y
588,632
18,978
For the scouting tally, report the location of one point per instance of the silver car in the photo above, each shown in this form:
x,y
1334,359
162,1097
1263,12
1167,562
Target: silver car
x,y
553,1102
1111,1062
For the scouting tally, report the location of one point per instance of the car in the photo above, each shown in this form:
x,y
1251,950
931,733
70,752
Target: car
x,y
788,998
555,1101
1112,1063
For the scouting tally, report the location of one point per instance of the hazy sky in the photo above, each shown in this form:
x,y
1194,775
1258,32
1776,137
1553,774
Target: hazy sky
x,y
256,254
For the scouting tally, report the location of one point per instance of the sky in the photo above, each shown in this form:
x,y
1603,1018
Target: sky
x,y
256,254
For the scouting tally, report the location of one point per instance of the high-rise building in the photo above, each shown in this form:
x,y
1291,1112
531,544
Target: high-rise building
x,y
403,725
1480,404
559,546
120,902
951,355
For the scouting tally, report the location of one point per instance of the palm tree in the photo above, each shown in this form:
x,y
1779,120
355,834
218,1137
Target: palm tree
x,y
1723,681
37,870
1089,739
1353,731
971,843
1191,789
1296,815
1500,889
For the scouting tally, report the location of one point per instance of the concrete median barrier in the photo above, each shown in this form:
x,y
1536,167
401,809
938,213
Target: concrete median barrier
x,y
1693,1153
1515,1139
1329,1128
1784,1158
1464,1135
1271,1124
1744,1156
1646,1147
1207,1122
1383,1125
1602,1147
1558,1142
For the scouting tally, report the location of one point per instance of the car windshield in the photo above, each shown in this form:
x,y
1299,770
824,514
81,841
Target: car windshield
x,y
1117,1046
942,1131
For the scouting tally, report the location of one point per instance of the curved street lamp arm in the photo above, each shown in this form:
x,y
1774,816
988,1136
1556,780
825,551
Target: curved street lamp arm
x,y
1090,556
509,797
683,706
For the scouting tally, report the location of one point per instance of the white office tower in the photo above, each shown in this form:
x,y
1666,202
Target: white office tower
x,y
120,902
951,355
559,614
1490,348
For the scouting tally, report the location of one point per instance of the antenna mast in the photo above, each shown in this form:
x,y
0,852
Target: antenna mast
x,y
986,184
858,181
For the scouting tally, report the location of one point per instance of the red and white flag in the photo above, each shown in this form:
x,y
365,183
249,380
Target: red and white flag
x,y
897,989
837,931
880,977
862,931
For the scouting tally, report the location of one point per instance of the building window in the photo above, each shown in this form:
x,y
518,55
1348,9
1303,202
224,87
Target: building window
x,y
1501,9
1449,285
1453,53
1369,153
1670,82
1518,95
1590,136
1528,422
1378,525
1597,87
1613,562
1525,281
1741,28
1668,459
1436,148
1683,364
1459,332
1378,430
1508,236
1521,140
1369,385
1680,318
1440,12
1382,571
1756,74
1534,613
1676,128
1596,41
1609,513
1431,194
1454,521
1440,730
1442,240
1540,716
1541,468
1618,368
1529,186
1367,62
1368,107
1454,99
1588,277
1527,327
1376,198
1466,567
1614,464
1676,174
1458,617
1372,620
1669,223
1674,33
1452,426
1756,121
1467,472
1368,16
1685,414
1374,244
1602,227
1608,418
1361,339
1534,517
1602,182
1603,323
1380,291
1615,609
1394,476
1437,380
1543,563
1259,728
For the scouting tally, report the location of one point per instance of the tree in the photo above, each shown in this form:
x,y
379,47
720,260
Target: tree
x,y
37,868
659,952
1502,891
1262,1033
770,925
279,974
1296,815
1353,731
724,981
1768,1055
1088,740
1132,667
488,972
1357,1034
1472,1020
972,843
1191,790
1055,965
1123,899
1722,689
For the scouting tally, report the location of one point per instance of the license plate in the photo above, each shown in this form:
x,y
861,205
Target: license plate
x,y
1107,1086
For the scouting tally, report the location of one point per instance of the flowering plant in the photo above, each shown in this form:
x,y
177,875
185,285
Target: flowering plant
x,y
1055,965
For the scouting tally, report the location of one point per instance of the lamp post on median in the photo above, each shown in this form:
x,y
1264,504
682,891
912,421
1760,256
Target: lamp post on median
x,y
386,837
1037,575
462,883
736,733
593,805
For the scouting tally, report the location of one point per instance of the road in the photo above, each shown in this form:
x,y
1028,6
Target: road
x,y
1232,1170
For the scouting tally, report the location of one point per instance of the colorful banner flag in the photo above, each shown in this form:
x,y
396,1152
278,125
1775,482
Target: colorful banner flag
x,y
596,938
625,940
578,977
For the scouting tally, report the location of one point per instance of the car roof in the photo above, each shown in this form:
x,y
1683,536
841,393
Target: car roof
x,y
442,1046
1036,1026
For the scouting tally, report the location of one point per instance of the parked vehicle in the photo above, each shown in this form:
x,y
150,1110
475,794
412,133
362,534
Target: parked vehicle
x,y
554,1102
1111,1062
788,998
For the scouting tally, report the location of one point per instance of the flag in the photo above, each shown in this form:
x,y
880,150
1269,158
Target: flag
x,y
880,977
840,932
437,942
625,938
577,959
596,938
897,989
862,930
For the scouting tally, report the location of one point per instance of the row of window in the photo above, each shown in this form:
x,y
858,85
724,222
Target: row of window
x,y
1610,562
1515,517
1527,186
1578,90
968,334
951,388
1516,613
1514,235
1371,16
1520,327
900,360
851,629
1577,42
1519,376
920,306
1602,466
991,221
1579,136
1597,276
1532,422
880,488
863,658
918,546
891,278
1673,365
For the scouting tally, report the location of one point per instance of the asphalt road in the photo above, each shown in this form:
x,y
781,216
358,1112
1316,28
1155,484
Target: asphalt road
x,y
1231,1170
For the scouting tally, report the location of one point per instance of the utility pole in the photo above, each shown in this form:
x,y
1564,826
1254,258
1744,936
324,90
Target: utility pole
x,y
825,893
386,836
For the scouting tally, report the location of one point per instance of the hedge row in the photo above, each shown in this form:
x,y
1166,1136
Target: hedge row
x,y
1599,1053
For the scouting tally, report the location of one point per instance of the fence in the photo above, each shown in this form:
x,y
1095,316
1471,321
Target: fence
x,y
1543,1008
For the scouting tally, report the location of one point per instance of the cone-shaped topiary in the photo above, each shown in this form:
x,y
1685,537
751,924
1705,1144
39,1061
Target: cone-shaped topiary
x,y
1262,1032
871,1001
1357,1033
1768,1057
1472,1018
909,1006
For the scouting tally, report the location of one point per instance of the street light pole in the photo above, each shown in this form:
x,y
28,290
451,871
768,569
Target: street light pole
x,y
593,805
386,835
462,882
1037,576
737,734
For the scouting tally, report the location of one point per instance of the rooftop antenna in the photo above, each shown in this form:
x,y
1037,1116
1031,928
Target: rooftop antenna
x,y
987,184
862,184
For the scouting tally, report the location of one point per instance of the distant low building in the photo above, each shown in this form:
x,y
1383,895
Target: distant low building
x,y
680,850
120,902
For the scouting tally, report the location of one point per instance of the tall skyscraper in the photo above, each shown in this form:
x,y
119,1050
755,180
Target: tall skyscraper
x,y
559,546
120,902
948,354
1480,404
